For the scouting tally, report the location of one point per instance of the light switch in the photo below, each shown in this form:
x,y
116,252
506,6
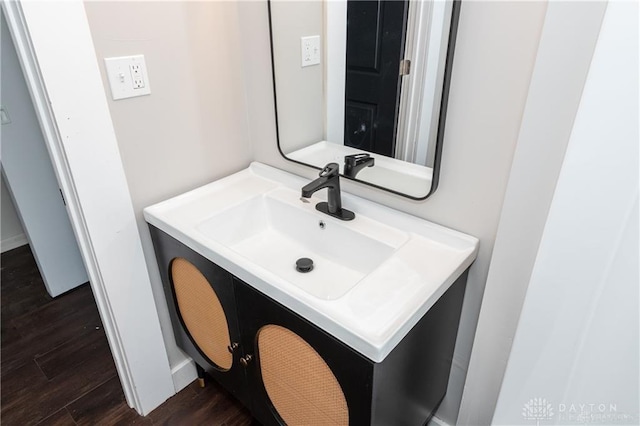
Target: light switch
x,y
310,50
127,76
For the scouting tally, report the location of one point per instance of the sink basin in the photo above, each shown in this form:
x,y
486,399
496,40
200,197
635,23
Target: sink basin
x,y
373,278
273,232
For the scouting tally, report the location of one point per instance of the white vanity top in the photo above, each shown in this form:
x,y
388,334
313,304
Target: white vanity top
x,y
376,276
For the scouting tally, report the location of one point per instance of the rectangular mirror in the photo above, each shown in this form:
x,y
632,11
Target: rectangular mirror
x,y
364,84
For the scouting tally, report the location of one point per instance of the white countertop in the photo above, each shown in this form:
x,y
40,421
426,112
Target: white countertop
x,y
374,315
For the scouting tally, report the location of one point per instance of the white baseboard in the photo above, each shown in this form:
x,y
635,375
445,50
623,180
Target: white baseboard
x,y
435,421
13,242
183,374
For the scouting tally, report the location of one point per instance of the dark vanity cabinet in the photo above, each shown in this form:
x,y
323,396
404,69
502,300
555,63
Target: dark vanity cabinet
x,y
201,301
287,370
299,374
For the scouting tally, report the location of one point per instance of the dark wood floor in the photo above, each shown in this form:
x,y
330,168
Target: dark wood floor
x,y
56,367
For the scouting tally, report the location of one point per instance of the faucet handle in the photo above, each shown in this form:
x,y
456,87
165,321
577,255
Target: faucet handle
x,y
330,170
356,162
355,159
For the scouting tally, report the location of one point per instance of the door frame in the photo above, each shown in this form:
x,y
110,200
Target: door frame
x,y
55,48
427,34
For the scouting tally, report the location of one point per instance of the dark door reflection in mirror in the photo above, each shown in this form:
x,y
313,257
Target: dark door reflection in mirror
x,y
377,84
375,45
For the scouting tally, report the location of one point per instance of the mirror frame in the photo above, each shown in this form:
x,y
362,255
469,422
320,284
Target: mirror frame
x,y
442,114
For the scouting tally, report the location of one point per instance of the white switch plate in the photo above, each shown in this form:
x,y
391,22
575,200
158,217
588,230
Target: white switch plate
x,y
127,76
310,50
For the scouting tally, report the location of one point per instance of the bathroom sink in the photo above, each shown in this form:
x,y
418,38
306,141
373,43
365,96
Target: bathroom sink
x,y
276,229
373,277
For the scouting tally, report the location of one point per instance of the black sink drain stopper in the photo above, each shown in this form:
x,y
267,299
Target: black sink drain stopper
x,y
304,264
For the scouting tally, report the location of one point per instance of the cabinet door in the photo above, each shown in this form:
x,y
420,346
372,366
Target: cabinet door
x,y
201,302
297,373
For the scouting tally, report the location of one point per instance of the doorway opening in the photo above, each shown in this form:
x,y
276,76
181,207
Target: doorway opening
x,y
34,195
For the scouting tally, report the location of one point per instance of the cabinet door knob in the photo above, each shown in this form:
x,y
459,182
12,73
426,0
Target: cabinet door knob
x,y
232,347
245,360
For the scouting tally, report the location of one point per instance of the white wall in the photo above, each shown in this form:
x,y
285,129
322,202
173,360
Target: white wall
x,y
566,47
11,232
495,53
192,129
577,339
300,90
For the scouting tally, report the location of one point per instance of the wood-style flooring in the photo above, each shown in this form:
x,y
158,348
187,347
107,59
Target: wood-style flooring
x,y
56,367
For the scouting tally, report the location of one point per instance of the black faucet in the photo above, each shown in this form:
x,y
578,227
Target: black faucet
x,y
330,179
356,162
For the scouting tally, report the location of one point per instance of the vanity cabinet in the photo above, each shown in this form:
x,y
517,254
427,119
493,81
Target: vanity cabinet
x,y
201,302
287,370
300,375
